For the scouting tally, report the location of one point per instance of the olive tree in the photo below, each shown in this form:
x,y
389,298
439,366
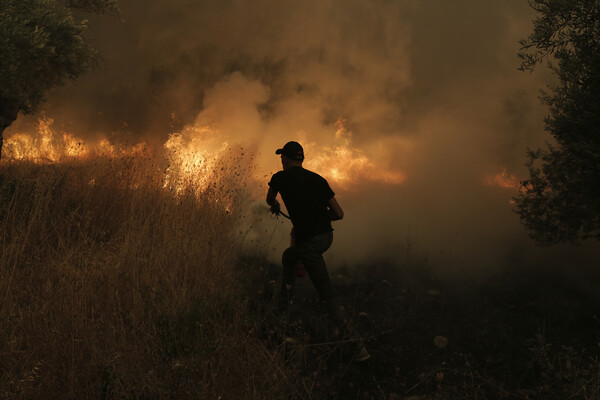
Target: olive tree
x,y
42,45
560,201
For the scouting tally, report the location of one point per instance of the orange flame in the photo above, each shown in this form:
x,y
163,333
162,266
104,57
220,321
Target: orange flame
x,y
45,145
346,165
503,180
191,158
193,154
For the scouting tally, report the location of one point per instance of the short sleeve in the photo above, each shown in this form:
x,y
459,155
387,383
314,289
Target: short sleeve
x,y
275,183
328,194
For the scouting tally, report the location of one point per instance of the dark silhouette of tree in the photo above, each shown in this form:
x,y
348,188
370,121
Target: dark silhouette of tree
x,y
560,202
42,44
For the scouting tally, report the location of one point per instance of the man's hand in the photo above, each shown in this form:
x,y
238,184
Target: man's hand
x,y
275,207
272,201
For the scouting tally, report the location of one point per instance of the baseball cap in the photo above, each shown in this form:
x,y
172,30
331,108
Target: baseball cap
x,y
292,150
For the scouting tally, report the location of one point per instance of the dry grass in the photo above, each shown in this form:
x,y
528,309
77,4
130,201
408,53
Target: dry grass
x,y
113,287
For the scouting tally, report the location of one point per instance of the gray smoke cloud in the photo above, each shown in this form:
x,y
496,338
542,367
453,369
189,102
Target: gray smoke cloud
x,y
426,89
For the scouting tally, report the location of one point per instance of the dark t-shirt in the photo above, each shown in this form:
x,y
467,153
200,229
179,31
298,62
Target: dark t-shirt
x,y
305,195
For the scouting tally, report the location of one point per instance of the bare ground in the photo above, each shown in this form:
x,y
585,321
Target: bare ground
x,y
521,335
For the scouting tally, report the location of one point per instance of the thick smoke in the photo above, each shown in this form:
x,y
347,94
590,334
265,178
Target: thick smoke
x,y
427,90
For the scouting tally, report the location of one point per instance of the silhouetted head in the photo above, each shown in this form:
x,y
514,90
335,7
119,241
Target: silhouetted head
x,y
292,155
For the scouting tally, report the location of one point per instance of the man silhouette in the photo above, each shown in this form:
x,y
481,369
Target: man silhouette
x,y
312,206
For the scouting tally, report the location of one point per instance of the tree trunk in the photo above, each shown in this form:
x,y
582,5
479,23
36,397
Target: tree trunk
x,y
8,113
1,141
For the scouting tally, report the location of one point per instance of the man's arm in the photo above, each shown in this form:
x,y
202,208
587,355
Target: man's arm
x,y
334,211
272,201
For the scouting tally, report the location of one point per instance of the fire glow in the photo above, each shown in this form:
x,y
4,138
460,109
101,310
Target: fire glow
x,y
346,165
47,146
193,153
503,180
190,161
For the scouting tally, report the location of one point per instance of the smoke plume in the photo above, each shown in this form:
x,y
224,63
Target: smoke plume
x,y
414,110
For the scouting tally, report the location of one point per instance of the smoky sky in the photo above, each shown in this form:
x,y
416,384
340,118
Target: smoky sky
x,y
429,88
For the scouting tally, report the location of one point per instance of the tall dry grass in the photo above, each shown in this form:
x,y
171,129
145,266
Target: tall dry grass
x,y
114,286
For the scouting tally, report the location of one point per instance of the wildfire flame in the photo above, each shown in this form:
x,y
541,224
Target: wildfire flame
x,y
193,154
191,161
503,180
45,145
346,165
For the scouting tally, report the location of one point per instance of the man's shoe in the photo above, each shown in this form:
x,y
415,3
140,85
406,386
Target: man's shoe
x,y
361,354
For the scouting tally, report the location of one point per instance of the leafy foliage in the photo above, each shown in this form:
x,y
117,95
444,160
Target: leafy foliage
x,y
42,45
560,202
